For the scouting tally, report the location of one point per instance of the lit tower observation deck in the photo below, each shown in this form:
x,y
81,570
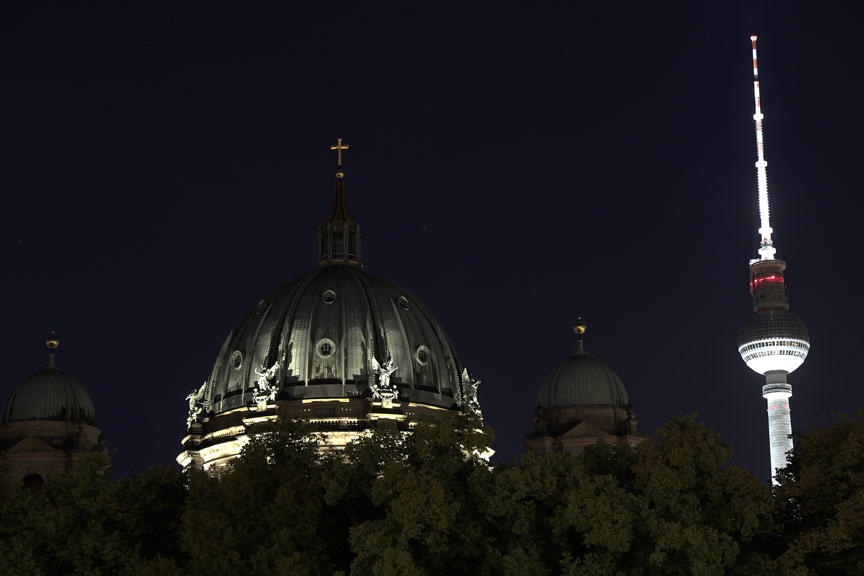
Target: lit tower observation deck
x,y
773,341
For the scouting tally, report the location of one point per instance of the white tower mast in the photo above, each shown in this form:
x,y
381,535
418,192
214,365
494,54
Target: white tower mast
x,y
766,248
774,341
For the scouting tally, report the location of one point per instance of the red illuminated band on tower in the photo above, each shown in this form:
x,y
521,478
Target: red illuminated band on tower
x,y
769,279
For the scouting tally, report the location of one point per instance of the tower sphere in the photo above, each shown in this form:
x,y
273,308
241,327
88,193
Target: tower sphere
x,y
772,340
49,394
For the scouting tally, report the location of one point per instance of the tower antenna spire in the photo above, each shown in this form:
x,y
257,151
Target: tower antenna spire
x,y
766,246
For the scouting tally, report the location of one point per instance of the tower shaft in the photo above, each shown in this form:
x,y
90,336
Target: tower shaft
x,y
777,393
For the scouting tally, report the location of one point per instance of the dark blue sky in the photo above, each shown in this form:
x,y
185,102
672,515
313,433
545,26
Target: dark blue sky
x,y
164,167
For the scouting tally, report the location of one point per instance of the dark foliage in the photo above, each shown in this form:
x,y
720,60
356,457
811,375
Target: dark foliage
x,y
81,522
822,491
426,504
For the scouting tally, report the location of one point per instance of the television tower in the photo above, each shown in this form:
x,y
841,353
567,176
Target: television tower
x,y
773,341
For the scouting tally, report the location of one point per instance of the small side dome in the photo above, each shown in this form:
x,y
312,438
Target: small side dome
x,y
49,394
580,403
582,380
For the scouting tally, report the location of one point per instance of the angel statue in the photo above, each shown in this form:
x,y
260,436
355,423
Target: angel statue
x,y
382,390
195,404
266,389
471,385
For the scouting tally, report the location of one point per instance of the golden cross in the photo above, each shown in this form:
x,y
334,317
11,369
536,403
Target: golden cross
x,y
339,147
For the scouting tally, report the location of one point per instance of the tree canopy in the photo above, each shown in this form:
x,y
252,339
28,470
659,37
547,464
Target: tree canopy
x,y
426,504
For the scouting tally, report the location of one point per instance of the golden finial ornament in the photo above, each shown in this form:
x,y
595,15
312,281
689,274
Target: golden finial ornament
x,y
339,147
580,327
52,341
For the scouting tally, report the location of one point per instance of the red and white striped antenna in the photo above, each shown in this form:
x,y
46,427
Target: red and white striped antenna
x,y
766,247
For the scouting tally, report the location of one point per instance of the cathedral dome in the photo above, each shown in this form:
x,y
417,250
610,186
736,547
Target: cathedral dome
x,y
49,394
339,348
582,380
327,330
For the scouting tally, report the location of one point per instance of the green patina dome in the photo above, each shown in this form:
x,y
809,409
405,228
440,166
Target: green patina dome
x,y
582,380
49,394
325,328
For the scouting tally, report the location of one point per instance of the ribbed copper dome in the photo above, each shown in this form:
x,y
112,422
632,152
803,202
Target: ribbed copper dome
x,y
49,394
582,380
325,328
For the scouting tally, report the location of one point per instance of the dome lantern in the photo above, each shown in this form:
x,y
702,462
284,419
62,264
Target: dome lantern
x,y
339,237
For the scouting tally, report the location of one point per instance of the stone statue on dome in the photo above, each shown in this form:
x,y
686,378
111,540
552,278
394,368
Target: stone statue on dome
x,y
196,406
471,385
266,389
382,390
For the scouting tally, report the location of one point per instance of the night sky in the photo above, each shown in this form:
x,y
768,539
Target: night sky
x,y
164,168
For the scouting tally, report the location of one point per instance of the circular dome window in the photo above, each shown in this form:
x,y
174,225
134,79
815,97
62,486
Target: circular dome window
x,y
422,355
403,303
328,297
237,359
325,348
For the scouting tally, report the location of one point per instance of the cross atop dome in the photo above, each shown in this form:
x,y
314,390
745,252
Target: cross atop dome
x,y
339,147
